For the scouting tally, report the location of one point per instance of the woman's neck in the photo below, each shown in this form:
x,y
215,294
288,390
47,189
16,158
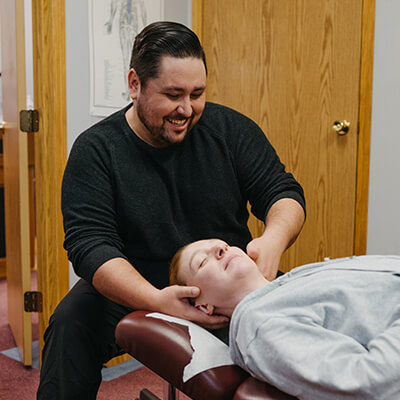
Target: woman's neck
x,y
253,284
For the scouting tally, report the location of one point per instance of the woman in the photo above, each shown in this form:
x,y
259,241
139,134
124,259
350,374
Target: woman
x,y
328,330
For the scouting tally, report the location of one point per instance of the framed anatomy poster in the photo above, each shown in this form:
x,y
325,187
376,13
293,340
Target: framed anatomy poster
x,y
113,25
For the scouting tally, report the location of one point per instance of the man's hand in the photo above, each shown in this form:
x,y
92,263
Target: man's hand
x,y
119,281
174,300
282,225
266,252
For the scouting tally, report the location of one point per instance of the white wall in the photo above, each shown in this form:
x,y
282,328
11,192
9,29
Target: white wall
x,y
384,188
77,65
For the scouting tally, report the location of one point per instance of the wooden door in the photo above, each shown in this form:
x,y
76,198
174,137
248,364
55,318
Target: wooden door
x,y
295,68
16,180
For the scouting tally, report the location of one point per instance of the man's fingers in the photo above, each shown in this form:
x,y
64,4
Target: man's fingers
x,y
214,322
205,319
178,306
188,291
212,325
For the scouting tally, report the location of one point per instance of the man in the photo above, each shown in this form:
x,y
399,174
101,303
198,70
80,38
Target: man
x,y
327,330
166,170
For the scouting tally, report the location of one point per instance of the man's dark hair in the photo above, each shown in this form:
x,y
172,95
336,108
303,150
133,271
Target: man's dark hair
x,y
159,39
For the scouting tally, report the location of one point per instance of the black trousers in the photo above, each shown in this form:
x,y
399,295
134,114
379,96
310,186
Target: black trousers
x,y
78,341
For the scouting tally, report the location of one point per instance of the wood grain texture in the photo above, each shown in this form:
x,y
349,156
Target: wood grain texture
x,y
364,136
48,21
294,68
3,267
16,194
197,18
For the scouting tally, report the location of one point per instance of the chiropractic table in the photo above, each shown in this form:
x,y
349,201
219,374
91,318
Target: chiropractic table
x,y
171,349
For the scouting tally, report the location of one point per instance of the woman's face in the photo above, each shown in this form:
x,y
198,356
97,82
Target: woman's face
x,y
220,271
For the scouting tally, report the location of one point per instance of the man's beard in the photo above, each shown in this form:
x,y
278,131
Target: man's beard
x,y
158,133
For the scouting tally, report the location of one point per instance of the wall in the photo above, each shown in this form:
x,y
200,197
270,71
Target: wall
x,y
384,189
77,65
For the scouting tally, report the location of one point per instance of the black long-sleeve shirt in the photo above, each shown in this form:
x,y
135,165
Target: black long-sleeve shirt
x,y
124,198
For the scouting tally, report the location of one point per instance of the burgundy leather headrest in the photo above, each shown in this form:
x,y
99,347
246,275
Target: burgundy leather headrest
x,y
165,348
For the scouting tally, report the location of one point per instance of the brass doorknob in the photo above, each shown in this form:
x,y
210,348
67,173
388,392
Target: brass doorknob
x,y
341,127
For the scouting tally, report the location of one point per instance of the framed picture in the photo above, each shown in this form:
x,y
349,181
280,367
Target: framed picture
x,y
113,25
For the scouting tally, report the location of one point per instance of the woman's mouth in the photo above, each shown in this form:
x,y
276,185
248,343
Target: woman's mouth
x,y
228,261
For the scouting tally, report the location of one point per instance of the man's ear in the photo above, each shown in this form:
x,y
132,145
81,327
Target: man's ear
x,y
206,308
133,84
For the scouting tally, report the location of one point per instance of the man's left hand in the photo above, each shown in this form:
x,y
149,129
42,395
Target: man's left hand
x,y
266,253
282,225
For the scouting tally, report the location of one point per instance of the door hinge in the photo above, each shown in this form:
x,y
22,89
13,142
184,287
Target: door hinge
x,y
29,120
33,302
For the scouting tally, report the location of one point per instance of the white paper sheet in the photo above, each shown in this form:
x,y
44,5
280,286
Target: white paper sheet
x,y
209,351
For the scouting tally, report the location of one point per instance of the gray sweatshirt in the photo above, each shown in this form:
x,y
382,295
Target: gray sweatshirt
x,y
328,330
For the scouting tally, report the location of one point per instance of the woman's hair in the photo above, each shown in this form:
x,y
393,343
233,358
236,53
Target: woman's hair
x,y
159,39
174,267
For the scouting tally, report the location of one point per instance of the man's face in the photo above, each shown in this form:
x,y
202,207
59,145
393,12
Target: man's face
x,y
171,104
220,271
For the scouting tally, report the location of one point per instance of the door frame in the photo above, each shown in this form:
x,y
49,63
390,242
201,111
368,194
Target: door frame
x,y
364,121
48,34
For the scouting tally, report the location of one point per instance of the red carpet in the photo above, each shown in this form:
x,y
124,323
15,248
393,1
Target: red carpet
x,y
20,383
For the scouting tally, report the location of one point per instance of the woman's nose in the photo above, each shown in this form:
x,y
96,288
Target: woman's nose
x,y
220,251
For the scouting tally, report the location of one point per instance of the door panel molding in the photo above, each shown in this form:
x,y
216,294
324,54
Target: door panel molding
x,y
364,135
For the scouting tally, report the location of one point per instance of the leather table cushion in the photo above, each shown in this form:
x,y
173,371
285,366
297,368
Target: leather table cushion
x,y
164,347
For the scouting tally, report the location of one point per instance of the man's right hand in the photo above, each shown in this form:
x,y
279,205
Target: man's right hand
x,y
174,300
120,282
